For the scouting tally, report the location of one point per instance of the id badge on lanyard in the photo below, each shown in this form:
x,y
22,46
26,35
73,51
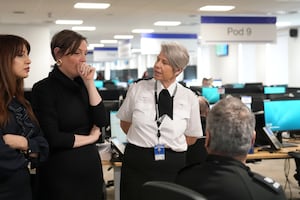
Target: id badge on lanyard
x,y
159,152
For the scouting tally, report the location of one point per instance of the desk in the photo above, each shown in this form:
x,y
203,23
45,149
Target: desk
x,y
117,176
264,154
258,154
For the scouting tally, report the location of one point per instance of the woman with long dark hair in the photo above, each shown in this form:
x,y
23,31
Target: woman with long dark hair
x,y
21,140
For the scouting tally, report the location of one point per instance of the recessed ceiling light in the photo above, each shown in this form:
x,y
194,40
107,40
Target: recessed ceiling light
x,y
108,41
123,37
283,24
92,5
93,45
167,23
62,21
83,28
216,8
142,31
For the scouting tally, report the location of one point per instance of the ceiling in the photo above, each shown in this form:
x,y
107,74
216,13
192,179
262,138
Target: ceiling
x,y
124,15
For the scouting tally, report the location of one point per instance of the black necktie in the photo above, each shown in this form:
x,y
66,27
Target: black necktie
x,y
165,103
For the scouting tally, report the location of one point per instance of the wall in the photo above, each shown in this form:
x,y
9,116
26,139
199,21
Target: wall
x,y
274,63
294,61
39,39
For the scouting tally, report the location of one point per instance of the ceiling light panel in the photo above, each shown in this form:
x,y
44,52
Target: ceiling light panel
x,y
142,31
123,37
167,23
92,5
73,22
83,28
109,41
216,8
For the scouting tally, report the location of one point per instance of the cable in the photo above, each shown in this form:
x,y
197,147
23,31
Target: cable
x,y
287,168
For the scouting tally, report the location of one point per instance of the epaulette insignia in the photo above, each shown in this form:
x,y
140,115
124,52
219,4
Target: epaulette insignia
x,y
273,185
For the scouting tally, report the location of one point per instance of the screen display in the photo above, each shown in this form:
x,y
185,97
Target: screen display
x,y
222,49
116,131
274,90
98,83
211,94
282,115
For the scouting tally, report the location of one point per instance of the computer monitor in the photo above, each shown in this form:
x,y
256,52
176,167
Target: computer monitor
x,y
99,84
222,49
211,94
247,100
274,89
116,131
282,115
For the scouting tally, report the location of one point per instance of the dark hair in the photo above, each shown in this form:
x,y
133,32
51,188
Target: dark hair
x,y
10,85
67,41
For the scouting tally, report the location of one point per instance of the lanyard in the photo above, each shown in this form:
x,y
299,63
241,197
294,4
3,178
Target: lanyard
x,y
158,119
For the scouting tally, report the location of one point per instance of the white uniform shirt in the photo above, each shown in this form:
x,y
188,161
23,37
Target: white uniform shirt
x,y
139,109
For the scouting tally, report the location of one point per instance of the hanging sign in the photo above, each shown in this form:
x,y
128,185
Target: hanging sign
x,y
238,29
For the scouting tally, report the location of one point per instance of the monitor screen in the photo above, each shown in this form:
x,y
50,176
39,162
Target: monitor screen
x,y
274,90
222,49
115,128
282,115
98,83
190,72
211,94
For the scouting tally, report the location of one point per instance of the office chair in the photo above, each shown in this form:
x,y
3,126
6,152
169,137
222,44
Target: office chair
x,y
162,190
296,156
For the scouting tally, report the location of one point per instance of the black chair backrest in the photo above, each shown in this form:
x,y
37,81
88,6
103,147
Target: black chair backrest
x,y
162,190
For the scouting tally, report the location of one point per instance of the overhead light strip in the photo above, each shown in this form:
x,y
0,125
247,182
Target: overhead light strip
x,y
109,41
123,37
142,31
66,22
217,8
92,5
83,28
167,23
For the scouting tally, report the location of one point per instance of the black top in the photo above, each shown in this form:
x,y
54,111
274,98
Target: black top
x,y
221,178
12,160
63,109
14,174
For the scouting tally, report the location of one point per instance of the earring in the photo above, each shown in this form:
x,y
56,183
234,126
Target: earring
x,y
58,62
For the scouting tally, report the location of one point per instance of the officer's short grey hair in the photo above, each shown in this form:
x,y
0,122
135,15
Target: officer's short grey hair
x,y
176,53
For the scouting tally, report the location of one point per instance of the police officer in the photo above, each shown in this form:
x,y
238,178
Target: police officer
x,y
224,175
161,118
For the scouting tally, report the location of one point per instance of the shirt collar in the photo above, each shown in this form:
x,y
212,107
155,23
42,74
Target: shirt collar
x,y
170,89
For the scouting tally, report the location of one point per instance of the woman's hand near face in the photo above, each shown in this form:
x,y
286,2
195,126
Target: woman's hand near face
x,y
86,72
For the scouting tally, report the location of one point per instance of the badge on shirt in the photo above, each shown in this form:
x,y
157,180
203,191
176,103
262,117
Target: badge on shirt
x,y
159,152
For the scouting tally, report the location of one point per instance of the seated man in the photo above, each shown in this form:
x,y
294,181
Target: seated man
x,y
229,136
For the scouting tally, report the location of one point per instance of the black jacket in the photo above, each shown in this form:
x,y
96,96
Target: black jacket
x,y
221,178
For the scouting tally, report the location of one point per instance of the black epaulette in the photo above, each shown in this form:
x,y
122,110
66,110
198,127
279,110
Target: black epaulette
x,y
270,183
143,79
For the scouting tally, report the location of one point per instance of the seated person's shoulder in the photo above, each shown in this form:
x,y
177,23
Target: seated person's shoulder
x,y
266,182
188,171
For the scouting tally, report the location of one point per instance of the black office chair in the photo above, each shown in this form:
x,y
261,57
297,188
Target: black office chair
x,y
296,156
162,190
